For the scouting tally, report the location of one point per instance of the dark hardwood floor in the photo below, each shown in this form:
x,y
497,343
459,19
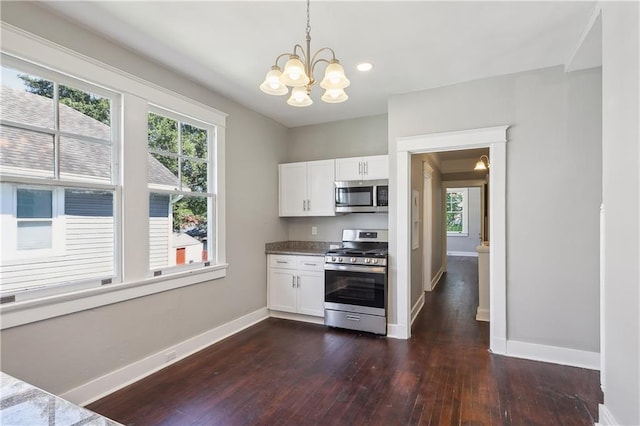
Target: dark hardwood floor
x,y
281,372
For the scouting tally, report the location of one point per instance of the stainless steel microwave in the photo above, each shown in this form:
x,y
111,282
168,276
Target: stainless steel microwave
x,y
362,196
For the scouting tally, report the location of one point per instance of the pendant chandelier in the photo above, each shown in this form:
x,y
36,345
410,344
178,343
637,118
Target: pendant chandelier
x,y
298,74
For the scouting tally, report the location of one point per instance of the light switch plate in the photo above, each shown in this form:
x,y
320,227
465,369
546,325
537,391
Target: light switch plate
x,y
314,230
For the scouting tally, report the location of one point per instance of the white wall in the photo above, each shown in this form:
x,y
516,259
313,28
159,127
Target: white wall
x,y
552,264
621,198
64,352
339,139
468,243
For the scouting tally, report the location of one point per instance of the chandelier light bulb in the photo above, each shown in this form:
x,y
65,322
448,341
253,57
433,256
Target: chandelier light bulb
x,y
334,96
272,84
299,97
293,74
334,77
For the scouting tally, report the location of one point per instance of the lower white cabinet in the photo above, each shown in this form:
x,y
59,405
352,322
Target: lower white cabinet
x,y
296,284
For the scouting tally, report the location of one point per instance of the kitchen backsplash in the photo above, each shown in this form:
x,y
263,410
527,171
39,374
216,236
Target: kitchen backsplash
x,y
330,228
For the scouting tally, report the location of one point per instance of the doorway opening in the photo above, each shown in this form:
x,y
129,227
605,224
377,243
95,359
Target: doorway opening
x,y
495,139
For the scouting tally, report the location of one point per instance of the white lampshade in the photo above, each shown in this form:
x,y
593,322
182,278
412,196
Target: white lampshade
x,y
294,74
272,84
334,96
483,163
299,97
334,77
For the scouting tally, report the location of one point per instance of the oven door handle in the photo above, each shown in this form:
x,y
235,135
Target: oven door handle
x,y
355,268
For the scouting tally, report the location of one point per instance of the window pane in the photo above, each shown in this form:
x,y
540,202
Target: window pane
x,y
34,203
84,113
163,134
26,99
84,160
26,153
80,239
194,141
89,203
194,175
163,171
454,222
34,235
178,230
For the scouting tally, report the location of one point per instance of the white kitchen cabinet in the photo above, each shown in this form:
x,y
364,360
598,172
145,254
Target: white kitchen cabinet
x,y
363,168
306,189
296,284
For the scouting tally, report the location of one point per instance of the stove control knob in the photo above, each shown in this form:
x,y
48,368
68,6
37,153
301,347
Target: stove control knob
x,y
374,261
367,260
339,259
333,259
353,260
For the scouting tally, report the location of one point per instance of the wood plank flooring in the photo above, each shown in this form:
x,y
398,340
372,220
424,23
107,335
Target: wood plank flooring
x,y
281,372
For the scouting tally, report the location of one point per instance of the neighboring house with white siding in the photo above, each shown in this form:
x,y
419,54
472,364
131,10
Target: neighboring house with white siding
x,y
68,230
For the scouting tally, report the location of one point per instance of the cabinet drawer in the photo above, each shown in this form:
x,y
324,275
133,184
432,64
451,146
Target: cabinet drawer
x,y
282,261
311,263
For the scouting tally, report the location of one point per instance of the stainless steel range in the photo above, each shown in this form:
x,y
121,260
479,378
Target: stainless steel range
x,y
355,292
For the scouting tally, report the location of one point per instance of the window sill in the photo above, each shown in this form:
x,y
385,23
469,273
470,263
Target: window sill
x,y
28,311
457,234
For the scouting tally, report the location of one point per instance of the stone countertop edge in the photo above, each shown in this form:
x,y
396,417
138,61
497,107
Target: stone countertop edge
x,y
304,248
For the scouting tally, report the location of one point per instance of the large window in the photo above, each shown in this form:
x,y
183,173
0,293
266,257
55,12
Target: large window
x,y
457,211
58,146
181,189
87,200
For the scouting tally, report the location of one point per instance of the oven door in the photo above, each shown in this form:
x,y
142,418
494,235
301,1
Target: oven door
x,y
355,288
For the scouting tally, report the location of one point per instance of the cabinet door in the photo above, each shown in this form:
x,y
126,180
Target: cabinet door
x,y
349,168
311,293
320,188
292,189
376,167
282,290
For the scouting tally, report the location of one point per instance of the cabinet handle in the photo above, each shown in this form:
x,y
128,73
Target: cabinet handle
x,y
310,264
298,282
308,205
281,261
352,317
366,168
293,281
359,167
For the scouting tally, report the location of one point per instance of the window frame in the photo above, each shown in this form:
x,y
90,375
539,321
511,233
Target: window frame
x,y
210,194
135,96
465,212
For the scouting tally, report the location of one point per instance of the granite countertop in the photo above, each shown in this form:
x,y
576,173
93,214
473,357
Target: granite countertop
x,y
304,248
26,405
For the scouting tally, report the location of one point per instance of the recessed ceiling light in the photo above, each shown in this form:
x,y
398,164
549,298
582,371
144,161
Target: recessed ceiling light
x,y
364,66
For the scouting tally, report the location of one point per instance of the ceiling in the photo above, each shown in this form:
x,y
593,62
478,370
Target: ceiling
x,y
415,45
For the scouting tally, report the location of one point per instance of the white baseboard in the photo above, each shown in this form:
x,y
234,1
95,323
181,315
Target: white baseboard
x,y
605,418
296,317
417,307
482,315
111,382
554,354
396,331
463,253
498,345
436,279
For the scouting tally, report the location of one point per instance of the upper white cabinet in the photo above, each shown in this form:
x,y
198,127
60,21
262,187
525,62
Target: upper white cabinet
x,y
306,189
363,168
